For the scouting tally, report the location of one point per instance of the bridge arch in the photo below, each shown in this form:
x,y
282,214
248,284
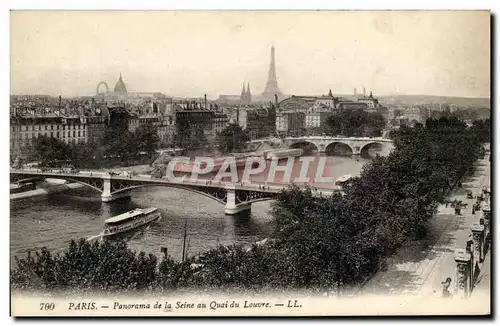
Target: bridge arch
x,y
339,148
372,149
307,146
218,194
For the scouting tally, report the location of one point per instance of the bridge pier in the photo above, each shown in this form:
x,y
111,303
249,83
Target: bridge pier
x,y
232,208
107,196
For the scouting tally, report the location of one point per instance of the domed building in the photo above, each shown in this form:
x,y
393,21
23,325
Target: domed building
x,y
120,89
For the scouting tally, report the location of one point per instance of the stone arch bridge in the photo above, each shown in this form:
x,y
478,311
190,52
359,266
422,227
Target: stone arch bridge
x,y
356,145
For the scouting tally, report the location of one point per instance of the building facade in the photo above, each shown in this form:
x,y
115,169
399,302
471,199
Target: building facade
x,y
258,121
371,102
290,123
221,121
72,130
192,123
316,116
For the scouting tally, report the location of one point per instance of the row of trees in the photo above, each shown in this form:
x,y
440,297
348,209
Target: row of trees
x,y
317,243
353,123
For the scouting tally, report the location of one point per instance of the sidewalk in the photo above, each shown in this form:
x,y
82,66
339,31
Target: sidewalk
x,y
420,266
483,283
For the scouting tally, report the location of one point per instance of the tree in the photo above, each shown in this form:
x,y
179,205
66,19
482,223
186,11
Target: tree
x,y
88,155
231,139
198,140
482,130
48,150
146,138
119,143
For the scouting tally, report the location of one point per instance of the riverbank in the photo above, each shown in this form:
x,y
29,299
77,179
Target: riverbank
x,y
57,188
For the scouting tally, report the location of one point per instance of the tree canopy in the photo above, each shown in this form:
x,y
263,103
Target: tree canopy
x,y
351,123
146,138
48,151
233,138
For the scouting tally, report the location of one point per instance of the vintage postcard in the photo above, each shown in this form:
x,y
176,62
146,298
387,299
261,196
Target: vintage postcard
x,y
250,163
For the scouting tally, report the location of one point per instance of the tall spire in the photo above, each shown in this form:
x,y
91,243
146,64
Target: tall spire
x,y
249,95
243,91
243,95
272,82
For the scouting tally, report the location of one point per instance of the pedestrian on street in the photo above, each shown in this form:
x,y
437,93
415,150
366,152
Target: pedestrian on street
x,y
446,286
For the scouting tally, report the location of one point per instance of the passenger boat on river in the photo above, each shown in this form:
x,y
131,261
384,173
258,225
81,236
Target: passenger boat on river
x,y
130,221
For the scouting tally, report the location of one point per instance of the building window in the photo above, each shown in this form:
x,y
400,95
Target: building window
x,y
51,134
74,133
51,127
58,134
45,129
78,133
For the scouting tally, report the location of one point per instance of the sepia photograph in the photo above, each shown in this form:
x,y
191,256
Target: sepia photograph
x,y
250,163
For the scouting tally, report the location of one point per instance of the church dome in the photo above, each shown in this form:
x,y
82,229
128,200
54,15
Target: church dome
x,y
120,88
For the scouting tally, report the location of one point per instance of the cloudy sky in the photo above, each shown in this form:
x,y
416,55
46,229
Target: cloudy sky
x,y
192,53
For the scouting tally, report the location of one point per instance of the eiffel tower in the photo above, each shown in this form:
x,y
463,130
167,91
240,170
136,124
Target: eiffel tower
x,y
272,83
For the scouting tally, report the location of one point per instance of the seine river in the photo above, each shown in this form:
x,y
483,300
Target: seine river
x,y
52,221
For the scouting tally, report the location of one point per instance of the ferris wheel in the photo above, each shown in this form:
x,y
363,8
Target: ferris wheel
x,y
102,88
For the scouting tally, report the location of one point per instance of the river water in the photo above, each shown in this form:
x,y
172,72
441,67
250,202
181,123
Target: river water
x,y
52,221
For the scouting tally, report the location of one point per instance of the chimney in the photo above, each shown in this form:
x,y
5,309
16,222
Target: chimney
x,y
364,92
205,101
276,100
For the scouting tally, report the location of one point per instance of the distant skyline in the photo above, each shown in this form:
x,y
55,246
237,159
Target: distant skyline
x,y
190,53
